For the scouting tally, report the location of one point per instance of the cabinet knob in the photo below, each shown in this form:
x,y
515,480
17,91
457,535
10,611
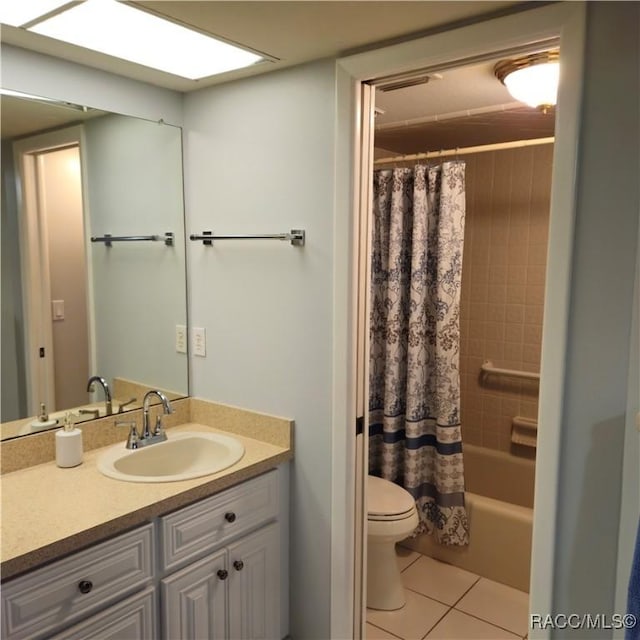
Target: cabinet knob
x,y
223,574
230,516
238,565
85,586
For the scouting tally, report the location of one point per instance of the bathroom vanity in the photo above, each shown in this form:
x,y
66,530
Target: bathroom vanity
x,y
97,557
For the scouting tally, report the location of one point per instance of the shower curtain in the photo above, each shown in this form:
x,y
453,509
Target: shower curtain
x,y
414,400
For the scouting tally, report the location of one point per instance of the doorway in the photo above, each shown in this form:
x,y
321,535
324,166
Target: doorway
x,y
503,37
436,125
54,284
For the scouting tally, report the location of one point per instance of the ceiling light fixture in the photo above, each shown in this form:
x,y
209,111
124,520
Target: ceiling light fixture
x,y
129,33
17,14
532,79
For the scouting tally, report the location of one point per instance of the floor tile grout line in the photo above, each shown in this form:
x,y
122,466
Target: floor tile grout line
x,y
444,615
385,630
420,555
475,582
424,595
493,624
446,604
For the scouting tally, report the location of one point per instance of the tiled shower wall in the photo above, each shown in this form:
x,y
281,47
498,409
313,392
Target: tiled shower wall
x,y
507,216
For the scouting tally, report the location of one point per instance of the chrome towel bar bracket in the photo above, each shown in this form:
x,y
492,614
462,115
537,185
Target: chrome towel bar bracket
x,y
296,237
108,239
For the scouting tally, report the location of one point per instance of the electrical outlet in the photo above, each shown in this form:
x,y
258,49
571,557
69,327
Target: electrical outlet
x,y
181,338
199,342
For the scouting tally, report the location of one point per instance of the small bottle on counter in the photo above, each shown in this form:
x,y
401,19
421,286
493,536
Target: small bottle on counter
x,y
68,444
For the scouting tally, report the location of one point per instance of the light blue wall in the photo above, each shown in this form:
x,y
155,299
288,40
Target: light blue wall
x,y
259,158
606,234
134,187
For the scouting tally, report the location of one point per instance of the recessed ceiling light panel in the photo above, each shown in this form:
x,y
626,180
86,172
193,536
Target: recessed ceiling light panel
x,y
15,13
125,32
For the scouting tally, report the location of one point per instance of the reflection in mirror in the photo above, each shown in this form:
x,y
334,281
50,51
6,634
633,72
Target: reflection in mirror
x,y
77,307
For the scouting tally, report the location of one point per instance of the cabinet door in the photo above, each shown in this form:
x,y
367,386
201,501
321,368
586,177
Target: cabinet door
x,y
133,619
254,586
194,601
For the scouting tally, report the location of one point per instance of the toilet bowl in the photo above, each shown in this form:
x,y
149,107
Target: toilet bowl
x,y
391,517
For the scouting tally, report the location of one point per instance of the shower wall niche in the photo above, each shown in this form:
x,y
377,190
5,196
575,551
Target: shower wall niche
x,y
503,279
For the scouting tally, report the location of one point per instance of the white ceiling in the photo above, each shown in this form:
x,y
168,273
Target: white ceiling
x,y
291,32
464,106
457,92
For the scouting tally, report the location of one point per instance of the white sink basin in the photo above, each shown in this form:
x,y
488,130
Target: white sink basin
x,y
184,455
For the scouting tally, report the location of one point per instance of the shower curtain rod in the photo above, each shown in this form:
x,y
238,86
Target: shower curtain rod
x,y
466,150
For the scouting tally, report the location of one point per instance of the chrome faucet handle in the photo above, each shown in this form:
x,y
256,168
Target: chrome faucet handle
x,y
124,404
133,440
94,412
159,430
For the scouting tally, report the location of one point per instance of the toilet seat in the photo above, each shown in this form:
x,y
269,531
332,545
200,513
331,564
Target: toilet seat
x,y
387,501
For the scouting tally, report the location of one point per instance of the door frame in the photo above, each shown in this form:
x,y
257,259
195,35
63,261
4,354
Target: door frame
x,y
562,23
34,257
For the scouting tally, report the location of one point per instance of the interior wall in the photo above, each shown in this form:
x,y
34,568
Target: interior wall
x,y
259,158
12,374
134,183
599,331
503,275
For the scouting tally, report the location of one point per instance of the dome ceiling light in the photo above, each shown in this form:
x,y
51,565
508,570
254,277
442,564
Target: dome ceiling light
x,y
532,79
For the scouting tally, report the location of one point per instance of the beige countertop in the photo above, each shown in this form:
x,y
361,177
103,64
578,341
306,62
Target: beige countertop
x,y
48,512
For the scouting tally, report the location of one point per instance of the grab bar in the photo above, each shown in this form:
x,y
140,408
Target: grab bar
x,y
487,368
296,237
108,239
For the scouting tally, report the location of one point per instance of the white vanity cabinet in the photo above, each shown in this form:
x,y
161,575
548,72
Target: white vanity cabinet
x,y
210,570
234,590
43,601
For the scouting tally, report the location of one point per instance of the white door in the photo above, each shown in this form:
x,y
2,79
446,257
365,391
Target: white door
x,y
32,157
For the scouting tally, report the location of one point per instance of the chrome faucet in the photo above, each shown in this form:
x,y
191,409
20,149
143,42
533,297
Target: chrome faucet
x,y
158,434
107,393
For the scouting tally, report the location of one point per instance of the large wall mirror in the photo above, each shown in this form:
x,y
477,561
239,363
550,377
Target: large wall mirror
x,y
93,263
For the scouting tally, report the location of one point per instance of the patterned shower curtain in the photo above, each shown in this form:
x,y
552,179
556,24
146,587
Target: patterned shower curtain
x,y
414,402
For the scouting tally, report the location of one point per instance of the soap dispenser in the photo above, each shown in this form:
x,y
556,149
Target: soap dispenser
x,y
68,444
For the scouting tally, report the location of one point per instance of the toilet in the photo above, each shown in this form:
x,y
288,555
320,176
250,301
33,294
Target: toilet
x,y
391,517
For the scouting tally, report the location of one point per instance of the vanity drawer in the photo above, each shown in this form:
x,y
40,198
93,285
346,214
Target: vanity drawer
x,y
44,599
193,531
132,619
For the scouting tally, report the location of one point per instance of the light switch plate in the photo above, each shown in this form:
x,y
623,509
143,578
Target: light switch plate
x,y
199,342
57,309
181,338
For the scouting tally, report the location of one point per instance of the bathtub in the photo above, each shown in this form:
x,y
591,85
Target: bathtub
x,y
499,500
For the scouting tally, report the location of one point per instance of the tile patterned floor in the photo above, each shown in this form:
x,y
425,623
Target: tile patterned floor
x,y
447,603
